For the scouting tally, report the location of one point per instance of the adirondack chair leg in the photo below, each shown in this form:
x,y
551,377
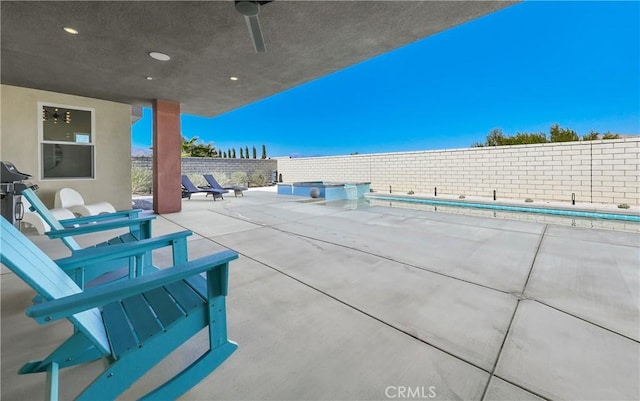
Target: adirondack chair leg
x,y
76,350
120,375
193,374
142,231
220,348
52,382
126,370
180,252
78,277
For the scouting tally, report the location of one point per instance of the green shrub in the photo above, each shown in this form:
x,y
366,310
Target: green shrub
x,y
141,181
239,178
257,179
221,178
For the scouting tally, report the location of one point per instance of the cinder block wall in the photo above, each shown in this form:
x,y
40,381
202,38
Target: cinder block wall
x,y
205,165
604,171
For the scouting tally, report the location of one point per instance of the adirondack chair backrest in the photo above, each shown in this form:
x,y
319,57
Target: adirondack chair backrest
x,y
36,269
47,216
186,182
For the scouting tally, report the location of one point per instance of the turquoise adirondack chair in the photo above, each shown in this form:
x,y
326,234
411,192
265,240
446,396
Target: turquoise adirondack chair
x,y
133,324
139,229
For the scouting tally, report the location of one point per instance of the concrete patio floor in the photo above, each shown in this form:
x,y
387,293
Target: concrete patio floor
x,y
371,304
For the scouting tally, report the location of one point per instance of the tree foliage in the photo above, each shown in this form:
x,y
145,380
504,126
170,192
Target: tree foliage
x,y
495,137
591,136
195,148
556,134
264,152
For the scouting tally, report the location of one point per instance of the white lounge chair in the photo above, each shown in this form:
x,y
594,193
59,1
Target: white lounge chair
x,y
34,219
70,199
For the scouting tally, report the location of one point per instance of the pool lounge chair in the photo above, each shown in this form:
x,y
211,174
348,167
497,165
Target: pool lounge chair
x,y
237,189
188,188
71,199
131,325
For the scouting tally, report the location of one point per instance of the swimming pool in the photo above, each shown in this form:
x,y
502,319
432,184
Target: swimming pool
x,y
512,208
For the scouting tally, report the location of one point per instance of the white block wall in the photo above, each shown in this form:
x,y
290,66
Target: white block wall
x,y
604,171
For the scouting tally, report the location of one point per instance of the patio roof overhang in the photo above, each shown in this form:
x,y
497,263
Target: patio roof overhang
x,y
208,42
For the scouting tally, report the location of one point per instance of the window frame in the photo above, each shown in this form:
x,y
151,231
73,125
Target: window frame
x,y
42,141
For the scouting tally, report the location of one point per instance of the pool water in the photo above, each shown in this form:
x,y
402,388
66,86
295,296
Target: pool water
x,y
580,220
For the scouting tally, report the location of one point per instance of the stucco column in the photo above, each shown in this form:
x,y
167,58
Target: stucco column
x,y
166,157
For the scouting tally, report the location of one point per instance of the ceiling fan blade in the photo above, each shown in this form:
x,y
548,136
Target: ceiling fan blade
x,y
253,23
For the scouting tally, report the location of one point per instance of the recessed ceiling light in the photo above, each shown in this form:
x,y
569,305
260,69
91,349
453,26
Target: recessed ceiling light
x,y
149,78
70,30
233,78
159,56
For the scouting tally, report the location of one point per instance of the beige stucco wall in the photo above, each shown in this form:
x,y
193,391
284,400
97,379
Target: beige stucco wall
x,y
19,144
596,171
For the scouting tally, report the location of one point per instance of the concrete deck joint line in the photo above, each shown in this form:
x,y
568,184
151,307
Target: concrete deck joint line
x,y
584,320
504,341
533,262
516,385
354,308
362,312
520,297
390,259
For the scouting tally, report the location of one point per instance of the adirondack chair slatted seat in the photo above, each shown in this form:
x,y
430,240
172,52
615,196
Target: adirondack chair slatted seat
x,y
189,188
139,229
133,324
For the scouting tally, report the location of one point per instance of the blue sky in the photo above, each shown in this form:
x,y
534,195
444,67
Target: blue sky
x,y
521,69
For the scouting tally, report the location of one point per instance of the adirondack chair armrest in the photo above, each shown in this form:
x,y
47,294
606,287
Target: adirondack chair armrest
x,y
102,295
91,228
89,256
133,213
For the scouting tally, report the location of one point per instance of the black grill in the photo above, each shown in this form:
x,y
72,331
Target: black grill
x,y
12,183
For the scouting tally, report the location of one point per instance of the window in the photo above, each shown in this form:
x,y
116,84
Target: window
x,y
67,138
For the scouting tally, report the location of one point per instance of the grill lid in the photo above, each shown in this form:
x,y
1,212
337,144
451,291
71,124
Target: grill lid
x,y
9,173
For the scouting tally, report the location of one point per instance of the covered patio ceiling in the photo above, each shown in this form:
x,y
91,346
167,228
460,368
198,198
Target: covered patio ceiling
x,y
208,42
